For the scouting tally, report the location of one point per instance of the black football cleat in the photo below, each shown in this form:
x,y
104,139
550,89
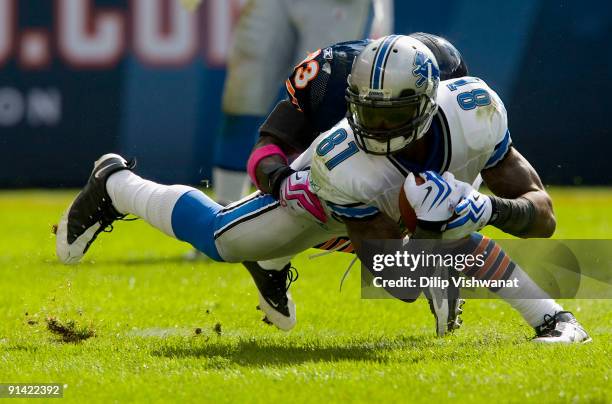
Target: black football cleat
x,y
562,328
274,297
90,213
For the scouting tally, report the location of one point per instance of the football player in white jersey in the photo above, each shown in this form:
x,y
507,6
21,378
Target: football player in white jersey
x,y
391,108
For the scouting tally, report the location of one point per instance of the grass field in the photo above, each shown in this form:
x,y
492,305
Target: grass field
x,y
145,303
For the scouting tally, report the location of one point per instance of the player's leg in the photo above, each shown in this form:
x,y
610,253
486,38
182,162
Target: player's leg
x,y
324,22
256,228
273,279
384,19
259,60
551,323
114,191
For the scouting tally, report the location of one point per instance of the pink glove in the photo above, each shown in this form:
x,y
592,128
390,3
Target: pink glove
x,y
295,194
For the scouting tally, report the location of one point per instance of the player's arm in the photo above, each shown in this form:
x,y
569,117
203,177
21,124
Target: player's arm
x,y
285,134
521,206
268,164
377,227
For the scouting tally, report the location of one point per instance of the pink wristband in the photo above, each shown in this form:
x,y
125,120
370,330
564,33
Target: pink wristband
x,y
258,155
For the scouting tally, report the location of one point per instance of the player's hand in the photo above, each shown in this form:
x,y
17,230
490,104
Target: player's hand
x,y
435,199
472,213
296,195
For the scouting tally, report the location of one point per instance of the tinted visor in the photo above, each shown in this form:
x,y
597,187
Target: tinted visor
x,y
386,121
378,116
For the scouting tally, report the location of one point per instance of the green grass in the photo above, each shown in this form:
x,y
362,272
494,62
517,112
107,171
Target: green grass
x,y
144,304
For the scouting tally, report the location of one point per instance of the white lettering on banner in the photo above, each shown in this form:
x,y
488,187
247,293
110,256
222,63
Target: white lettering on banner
x,y
12,106
89,38
165,32
34,49
38,107
44,107
7,21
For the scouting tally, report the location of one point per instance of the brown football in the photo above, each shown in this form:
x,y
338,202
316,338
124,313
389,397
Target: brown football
x,y
408,216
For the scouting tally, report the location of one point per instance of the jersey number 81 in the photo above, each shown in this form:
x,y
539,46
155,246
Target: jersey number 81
x,y
330,142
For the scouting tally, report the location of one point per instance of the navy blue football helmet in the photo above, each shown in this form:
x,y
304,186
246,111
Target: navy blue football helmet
x,y
449,59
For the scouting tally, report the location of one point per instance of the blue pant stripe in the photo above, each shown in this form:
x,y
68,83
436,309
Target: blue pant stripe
x,y
193,221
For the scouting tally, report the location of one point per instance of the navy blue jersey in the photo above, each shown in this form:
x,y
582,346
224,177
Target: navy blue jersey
x,y
318,84
317,87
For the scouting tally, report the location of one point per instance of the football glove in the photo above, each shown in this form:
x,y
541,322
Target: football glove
x,y
296,195
472,213
435,199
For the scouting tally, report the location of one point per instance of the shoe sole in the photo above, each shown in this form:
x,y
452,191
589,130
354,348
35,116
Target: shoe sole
x,y
551,342
442,322
279,320
72,253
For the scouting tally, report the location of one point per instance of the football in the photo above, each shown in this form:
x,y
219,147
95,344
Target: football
x,y
408,216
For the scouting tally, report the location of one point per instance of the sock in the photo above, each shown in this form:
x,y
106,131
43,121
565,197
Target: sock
x,y
229,185
150,201
528,299
276,264
534,310
179,211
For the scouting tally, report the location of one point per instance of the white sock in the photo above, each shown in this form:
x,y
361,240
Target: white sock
x,y
275,264
150,201
529,299
230,186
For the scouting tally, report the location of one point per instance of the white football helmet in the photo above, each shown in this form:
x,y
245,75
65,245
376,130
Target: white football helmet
x,y
392,93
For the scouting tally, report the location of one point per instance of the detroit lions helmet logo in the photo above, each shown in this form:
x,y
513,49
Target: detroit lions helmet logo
x,y
421,69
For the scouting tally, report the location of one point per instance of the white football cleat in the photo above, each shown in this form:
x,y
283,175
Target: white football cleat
x,y
445,304
562,328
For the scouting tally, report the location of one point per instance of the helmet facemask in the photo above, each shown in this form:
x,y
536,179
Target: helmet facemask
x,y
385,126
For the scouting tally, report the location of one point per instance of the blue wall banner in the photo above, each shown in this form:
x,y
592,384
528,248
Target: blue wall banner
x,y
79,78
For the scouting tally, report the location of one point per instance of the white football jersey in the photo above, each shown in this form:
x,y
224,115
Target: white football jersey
x,y
471,134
